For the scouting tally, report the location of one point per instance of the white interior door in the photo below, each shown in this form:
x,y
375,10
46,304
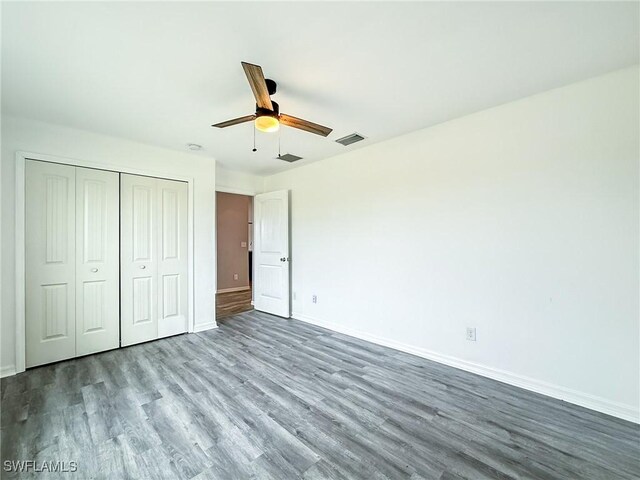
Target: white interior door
x,y
138,259
97,261
50,262
271,253
173,306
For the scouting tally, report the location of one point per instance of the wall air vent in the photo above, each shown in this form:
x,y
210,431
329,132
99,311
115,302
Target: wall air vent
x,y
349,139
287,157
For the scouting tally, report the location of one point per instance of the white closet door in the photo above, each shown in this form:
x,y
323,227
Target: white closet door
x,y
172,252
50,262
97,259
139,259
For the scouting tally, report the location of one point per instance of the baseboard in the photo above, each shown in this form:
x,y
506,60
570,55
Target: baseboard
x,y
204,326
233,289
592,402
7,371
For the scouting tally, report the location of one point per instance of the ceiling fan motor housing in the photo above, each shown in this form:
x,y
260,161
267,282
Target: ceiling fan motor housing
x,y
265,112
271,86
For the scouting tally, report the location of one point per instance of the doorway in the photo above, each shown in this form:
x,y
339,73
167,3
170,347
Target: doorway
x,y
234,252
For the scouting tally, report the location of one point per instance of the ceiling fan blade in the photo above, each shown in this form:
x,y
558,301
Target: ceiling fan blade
x,y
258,85
235,121
305,125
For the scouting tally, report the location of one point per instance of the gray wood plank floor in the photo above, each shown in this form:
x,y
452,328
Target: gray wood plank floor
x,y
262,397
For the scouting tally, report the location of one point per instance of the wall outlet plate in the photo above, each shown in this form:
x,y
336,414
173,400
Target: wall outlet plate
x,y
471,334
314,299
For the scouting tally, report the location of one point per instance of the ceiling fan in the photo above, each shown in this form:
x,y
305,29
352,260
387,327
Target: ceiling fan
x,y
268,117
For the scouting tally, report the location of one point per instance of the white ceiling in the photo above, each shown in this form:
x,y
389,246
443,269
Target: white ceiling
x,y
162,73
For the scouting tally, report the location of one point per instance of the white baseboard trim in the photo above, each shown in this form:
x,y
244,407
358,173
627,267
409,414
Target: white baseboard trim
x,y
233,289
7,371
204,326
599,404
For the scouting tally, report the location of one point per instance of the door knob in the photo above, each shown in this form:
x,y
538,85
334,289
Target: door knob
x,y
143,267
94,270
283,259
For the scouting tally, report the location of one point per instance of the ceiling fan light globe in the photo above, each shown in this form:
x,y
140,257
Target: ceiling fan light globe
x,y
267,123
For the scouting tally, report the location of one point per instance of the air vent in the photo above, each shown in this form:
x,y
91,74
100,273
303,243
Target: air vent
x,y
349,139
287,157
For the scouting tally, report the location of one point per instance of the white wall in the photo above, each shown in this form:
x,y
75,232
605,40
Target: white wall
x,y
238,182
521,221
37,137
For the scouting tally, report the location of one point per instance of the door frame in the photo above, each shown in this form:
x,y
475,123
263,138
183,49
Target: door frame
x,y
21,159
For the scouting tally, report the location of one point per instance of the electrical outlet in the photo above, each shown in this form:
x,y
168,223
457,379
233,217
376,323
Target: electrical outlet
x,y
471,334
314,299
243,244
235,276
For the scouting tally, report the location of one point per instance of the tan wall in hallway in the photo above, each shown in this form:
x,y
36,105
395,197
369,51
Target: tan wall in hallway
x,y
232,221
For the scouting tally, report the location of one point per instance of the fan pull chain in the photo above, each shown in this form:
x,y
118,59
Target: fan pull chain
x,y
254,139
279,137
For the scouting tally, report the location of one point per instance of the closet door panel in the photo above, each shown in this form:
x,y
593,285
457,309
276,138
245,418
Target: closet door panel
x,y
172,265
97,261
50,276
139,264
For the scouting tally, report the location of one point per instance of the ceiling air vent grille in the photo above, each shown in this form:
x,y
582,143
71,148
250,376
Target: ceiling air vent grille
x,y
349,139
287,157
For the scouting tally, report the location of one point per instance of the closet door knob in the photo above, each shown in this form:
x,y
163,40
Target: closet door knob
x,y
94,270
143,267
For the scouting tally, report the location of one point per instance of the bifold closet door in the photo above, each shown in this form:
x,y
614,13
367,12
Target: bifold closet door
x,y
72,256
153,258
173,306
97,261
138,261
50,274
